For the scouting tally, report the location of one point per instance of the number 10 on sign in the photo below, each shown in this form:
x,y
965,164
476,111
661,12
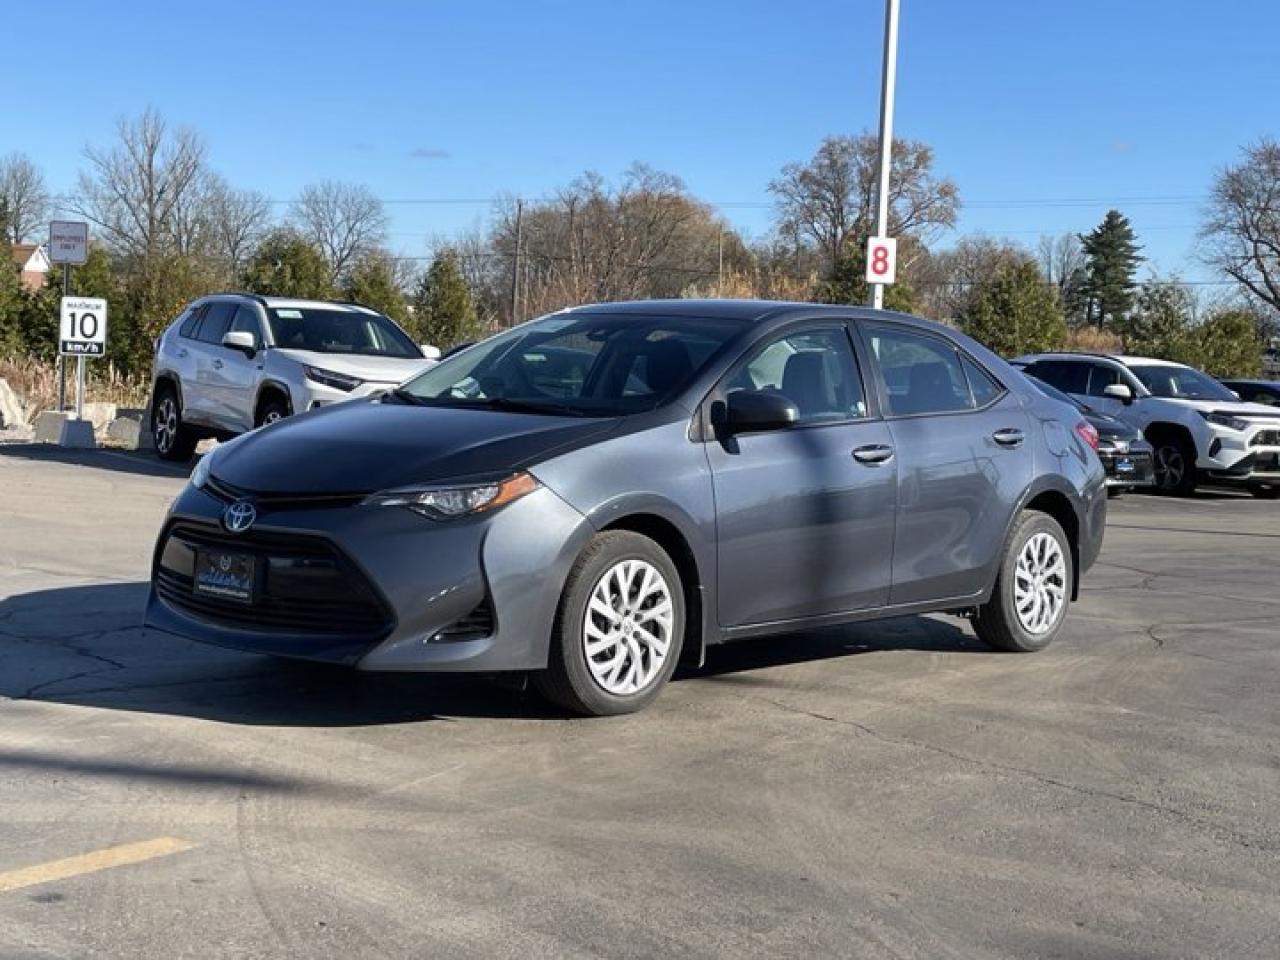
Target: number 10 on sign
x,y
882,259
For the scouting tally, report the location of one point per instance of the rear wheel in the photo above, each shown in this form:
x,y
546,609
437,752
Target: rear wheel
x,y
1029,603
1175,466
618,631
173,440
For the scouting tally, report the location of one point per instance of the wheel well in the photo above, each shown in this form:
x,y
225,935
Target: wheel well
x,y
1167,431
1059,507
271,391
666,535
167,381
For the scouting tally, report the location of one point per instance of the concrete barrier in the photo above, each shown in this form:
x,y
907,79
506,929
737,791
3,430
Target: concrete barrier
x,y
131,433
49,426
13,412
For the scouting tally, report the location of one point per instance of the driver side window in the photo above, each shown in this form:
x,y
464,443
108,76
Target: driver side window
x,y
814,369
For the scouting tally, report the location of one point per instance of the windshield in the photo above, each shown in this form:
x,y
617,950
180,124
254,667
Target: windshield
x,y
1181,383
577,364
335,330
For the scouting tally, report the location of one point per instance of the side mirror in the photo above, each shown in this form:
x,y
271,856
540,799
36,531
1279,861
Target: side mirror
x,y
241,340
1234,394
429,351
752,410
1119,391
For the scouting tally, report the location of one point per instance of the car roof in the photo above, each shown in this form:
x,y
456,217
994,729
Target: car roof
x,y
1251,381
748,311
1121,358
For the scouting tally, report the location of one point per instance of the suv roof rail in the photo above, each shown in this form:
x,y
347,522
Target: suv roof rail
x,y
234,293
1077,353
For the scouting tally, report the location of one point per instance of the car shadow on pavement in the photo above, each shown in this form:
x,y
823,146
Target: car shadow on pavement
x,y
119,461
86,645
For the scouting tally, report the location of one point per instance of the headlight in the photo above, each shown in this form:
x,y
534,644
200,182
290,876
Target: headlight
x,y
447,502
1226,420
331,378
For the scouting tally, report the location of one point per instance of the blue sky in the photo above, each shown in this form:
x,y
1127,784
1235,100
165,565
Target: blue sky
x,y
1131,103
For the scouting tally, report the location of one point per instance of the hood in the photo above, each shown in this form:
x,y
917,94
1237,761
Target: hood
x,y
364,446
1235,408
374,369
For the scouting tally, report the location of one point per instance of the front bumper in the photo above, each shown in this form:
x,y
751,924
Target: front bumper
x,y
1128,465
1248,455
311,395
378,588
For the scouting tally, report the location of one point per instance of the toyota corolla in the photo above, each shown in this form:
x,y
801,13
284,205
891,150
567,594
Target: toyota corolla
x,y
596,496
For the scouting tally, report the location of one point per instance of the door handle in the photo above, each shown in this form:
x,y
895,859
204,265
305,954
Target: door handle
x,y
217,364
182,354
1009,437
874,454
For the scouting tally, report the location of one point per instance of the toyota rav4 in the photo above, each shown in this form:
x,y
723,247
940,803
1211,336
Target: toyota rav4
x,y
232,362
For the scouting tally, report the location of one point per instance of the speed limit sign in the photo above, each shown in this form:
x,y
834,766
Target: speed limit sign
x,y
83,328
882,259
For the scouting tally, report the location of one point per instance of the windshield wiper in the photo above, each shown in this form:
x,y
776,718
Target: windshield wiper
x,y
524,406
404,396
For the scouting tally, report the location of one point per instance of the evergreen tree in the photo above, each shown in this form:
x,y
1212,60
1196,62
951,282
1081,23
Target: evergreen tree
x,y
1229,344
1015,310
1112,259
286,264
443,312
1160,324
372,282
848,282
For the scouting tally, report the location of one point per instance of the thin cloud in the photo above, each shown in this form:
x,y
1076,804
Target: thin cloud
x,y
430,153
1122,146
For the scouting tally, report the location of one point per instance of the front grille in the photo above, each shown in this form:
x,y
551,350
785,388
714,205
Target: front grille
x,y
228,493
1265,438
306,586
474,626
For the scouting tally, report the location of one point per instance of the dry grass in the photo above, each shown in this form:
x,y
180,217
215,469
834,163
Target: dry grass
x,y
1093,340
37,384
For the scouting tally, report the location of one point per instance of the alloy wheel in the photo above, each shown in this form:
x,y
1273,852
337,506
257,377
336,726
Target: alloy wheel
x,y
165,425
1040,584
627,627
1170,467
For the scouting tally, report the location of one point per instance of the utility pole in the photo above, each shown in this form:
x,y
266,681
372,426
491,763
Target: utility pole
x,y
515,264
888,83
720,269
62,361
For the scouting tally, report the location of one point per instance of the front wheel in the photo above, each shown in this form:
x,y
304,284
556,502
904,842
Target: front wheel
x,y
618,630
1175,467
1029,603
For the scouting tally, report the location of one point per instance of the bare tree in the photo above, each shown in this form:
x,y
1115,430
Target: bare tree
x,y
1064,264
136,192
831,199
237,220
23,196
343,220
1241,233
949,280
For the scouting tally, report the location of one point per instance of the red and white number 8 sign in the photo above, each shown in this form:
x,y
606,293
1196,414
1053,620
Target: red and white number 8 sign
x,y
882,259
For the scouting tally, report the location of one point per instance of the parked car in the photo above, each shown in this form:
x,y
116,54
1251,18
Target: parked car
x,y
235,361
1126,457
1266,392
700,471
1199,428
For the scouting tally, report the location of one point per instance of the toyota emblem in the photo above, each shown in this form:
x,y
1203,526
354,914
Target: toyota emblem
x,y
239,517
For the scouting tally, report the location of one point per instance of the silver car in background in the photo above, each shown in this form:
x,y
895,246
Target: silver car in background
x,y
232,362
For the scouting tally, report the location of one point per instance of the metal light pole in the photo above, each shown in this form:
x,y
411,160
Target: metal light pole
x,y
888,82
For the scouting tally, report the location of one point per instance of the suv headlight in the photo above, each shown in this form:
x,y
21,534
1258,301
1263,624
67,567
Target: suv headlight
x,y
1226,420
448,502
331,378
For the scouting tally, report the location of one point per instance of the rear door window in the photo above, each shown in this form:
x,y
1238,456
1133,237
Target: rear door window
x,y
1069,376
984,386
922,374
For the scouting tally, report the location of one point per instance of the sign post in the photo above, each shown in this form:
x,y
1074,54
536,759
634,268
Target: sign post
x,y
68,244
888,85
82,332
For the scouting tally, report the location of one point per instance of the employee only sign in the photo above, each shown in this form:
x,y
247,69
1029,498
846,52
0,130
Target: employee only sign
x,y
82,331
882,259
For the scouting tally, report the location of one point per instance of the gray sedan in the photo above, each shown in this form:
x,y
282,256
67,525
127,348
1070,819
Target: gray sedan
x,y
598,495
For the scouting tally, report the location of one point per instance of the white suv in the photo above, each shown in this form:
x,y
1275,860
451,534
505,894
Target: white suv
x,y
1197,426
232,362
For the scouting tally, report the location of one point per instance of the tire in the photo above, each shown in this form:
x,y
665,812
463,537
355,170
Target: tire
x,y
998,622
271,410
1265,491
173,440
628,668
1175,466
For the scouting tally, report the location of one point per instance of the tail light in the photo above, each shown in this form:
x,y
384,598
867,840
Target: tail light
x,y
1088,433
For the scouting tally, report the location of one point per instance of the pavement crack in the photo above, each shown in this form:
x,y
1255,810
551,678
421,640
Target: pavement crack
x,y
1213,829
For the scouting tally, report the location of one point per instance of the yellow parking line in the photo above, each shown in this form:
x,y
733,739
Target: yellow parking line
x,y
92,862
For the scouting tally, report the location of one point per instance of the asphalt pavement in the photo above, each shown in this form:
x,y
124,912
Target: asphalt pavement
x,y
884,790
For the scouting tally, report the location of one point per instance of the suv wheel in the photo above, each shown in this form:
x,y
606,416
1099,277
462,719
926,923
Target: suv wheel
x,y
1175,466
1029,603
619,628
271,410
173,440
